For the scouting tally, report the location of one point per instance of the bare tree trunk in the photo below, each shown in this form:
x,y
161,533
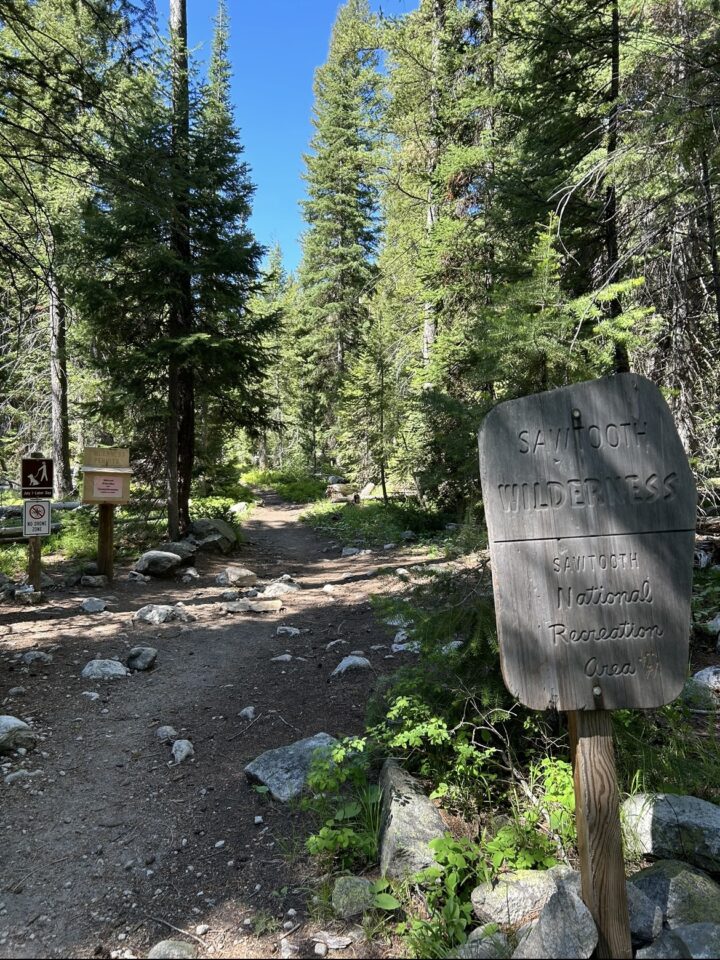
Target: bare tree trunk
x,y
59,389
181,388
711,232
622,360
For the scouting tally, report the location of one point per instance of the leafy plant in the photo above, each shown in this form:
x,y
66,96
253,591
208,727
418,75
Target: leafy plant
x,y
297,486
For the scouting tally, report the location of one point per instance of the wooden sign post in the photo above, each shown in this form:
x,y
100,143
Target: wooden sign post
x,y
590,506
36,483
106,482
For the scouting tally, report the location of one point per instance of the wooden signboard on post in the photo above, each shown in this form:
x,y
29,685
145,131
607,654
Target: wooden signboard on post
x,y
106,482
590,505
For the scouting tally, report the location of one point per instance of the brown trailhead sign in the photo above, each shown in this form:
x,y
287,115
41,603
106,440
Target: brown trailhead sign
x,y
590,505
36,478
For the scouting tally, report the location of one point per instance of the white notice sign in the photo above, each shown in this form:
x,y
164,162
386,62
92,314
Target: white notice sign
x,y
36,518
110,487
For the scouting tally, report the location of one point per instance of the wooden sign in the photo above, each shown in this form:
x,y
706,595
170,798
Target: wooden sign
x,y
590,506
36,478
106,475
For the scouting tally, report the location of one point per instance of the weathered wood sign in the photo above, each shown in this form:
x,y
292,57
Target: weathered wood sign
x,y
590,505
106,482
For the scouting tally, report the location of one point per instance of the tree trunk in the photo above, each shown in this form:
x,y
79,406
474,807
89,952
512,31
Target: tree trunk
x,y
622,360
59,389
433,156
181,388
711,233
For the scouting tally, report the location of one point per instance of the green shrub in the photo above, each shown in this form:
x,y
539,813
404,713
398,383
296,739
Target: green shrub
x,y
371,522
13,559
293,485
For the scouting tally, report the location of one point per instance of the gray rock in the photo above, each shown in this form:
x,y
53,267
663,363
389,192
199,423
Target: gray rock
x,y
236,606
684,894
94,581
22,775
142,658
189,574
389,546
350,551
135,577
673,827
157,563
409,822
35,656
166,733
214,535
668,946
94,605
646,917
266,606
516,899
284,770
247,713
182,750
287,632
90,694
279,588
565,928
412,647
351,896
698,696
104,670
238,508
351,663
701,939
15,734
229,596
173,950
484,943
157,613
709,679
408,535
332,480
236,577
185,549
16,692
283,658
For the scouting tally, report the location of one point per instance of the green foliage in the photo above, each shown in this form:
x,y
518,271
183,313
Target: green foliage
x,y
341,795
447,886
371,522
13,559
706,594
78,538
296,486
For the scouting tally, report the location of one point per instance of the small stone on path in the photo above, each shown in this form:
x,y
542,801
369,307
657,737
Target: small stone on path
x,y
285,769
182,750
173,950
236,577
351,896
283,658
36,656
94,581
104,670
284,631
351,663
247,713
157,563
14,734
94,605
166,733
90,694
142,658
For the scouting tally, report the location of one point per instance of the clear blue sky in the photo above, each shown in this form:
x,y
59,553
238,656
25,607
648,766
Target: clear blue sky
x,y
276,45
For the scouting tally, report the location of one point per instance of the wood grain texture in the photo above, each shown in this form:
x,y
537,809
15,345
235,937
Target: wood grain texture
x,y
590,505
34,565
106,546
597,814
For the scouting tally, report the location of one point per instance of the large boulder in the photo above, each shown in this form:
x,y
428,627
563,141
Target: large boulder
x,y
158,563
668,826
701,939
284,770
684,894
15,733
409,822
213,535
183,548
703,689
668,946
565,928
518,897
646,918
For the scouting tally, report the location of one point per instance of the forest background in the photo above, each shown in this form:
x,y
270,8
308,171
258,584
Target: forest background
x,y
501,198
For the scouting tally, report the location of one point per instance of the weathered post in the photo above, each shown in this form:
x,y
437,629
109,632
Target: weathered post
x,y
590,505
106,482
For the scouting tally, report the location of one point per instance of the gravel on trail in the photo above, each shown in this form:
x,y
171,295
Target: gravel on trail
x,y
108,845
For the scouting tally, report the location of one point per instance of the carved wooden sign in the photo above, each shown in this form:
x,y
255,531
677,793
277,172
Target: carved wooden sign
x,y
590,506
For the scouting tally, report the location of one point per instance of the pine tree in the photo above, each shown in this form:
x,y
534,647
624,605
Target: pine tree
x,y
341,209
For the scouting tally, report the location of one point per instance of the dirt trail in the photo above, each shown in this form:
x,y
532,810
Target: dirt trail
x,y
108,838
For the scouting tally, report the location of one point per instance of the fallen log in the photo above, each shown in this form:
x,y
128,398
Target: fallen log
x,y
15,534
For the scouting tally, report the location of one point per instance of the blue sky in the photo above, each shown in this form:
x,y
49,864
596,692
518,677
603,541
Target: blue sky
x,y
276,45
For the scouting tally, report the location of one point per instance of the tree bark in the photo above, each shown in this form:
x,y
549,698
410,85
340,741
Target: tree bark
x,y
711,232
622,360
181,386
433,156
60,422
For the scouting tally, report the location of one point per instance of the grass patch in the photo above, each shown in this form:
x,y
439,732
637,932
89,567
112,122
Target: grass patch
x,y
13,559
293,485
372,522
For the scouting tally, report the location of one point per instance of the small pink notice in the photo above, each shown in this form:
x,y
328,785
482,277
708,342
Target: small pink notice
x,y
110,487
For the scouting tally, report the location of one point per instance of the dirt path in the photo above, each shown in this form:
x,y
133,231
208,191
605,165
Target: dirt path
x,y
107,838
